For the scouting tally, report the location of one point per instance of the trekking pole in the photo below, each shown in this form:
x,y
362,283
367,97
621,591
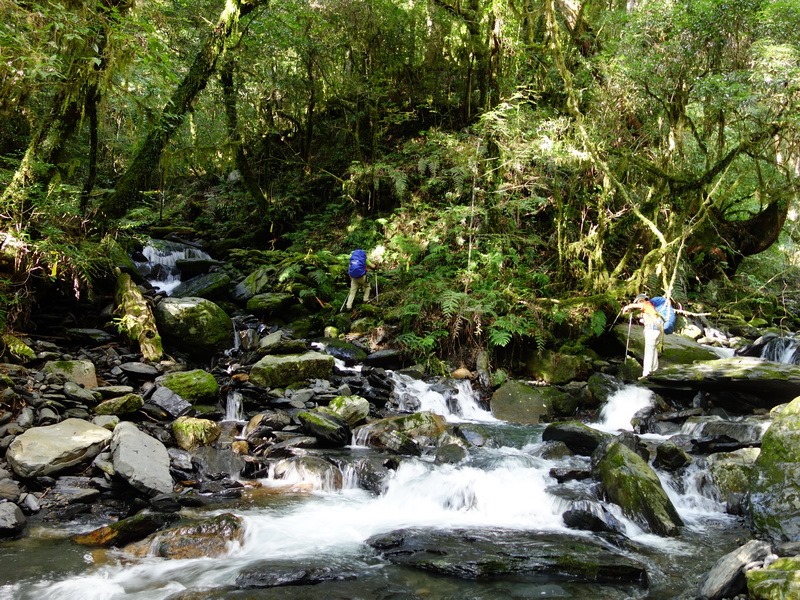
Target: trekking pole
x,y
376,285
343,303
628,338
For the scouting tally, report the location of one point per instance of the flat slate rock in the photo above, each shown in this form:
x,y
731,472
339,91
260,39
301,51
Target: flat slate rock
x,y
481,554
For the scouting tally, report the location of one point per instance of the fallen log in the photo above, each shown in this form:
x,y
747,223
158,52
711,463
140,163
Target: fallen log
x,y
135,318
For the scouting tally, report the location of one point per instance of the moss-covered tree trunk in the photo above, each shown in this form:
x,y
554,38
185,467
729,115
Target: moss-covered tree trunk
x,y
129,187
136,319
235,136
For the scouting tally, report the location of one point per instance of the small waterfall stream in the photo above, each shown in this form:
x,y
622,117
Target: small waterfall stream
x,y
506,487
158,263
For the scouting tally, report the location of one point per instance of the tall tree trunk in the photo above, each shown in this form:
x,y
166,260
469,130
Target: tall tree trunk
x,y
129,187
242,164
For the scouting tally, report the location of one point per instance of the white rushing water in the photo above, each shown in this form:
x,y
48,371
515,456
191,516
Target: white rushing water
x,y
161,259
496,488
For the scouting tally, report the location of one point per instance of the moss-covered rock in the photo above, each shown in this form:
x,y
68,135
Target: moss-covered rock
x,y
191,432
632,484
578,437
403,434
556,368
517,402
731,472
255,283
779,581
280,371
352,409
774,500
204,539
349,353
126,531
330,429
269,304
193,386
123,405
78,371
193,325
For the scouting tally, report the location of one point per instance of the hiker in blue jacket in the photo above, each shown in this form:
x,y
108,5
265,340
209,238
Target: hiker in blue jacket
x,y
359,263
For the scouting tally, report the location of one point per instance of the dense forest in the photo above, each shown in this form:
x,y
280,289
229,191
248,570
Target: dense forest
x,y
520,167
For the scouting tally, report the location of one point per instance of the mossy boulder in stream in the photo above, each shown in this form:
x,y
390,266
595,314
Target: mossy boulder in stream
x,y
349,353
193,386
779,581
352,409
402,434
280,371
632,484
204,539
774,501
193,325
191,432
557,368
122,405
269,304
331,430
517,402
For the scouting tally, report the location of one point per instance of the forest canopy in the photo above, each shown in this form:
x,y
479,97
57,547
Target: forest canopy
x,y
507,155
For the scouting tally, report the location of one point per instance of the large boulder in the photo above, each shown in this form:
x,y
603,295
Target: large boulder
x,y
208,538
330,429
557,368
632,484
676,350
255,283
578,437
81,372
280,371
269,303
211,286
780,580
191,432
402,434
194,325
51,449
774,500
12,520
140,459
727,577
352,409
517,402
767,384
193,386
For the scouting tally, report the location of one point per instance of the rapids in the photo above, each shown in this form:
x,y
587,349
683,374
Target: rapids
x,y
305,523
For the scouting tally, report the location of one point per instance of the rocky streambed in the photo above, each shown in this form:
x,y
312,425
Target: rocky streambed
x,y
313,467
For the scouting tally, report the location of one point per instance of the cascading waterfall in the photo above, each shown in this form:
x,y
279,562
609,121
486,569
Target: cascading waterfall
x,y
159,259
234,410
321,523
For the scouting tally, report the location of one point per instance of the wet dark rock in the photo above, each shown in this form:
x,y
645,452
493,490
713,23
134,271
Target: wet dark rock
x,y
139,370
127,530
268,574
670,457
387,359
346,351
521,556
12,520
206,538
450,454
565,474
592,516
579,438
331,430
170,402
